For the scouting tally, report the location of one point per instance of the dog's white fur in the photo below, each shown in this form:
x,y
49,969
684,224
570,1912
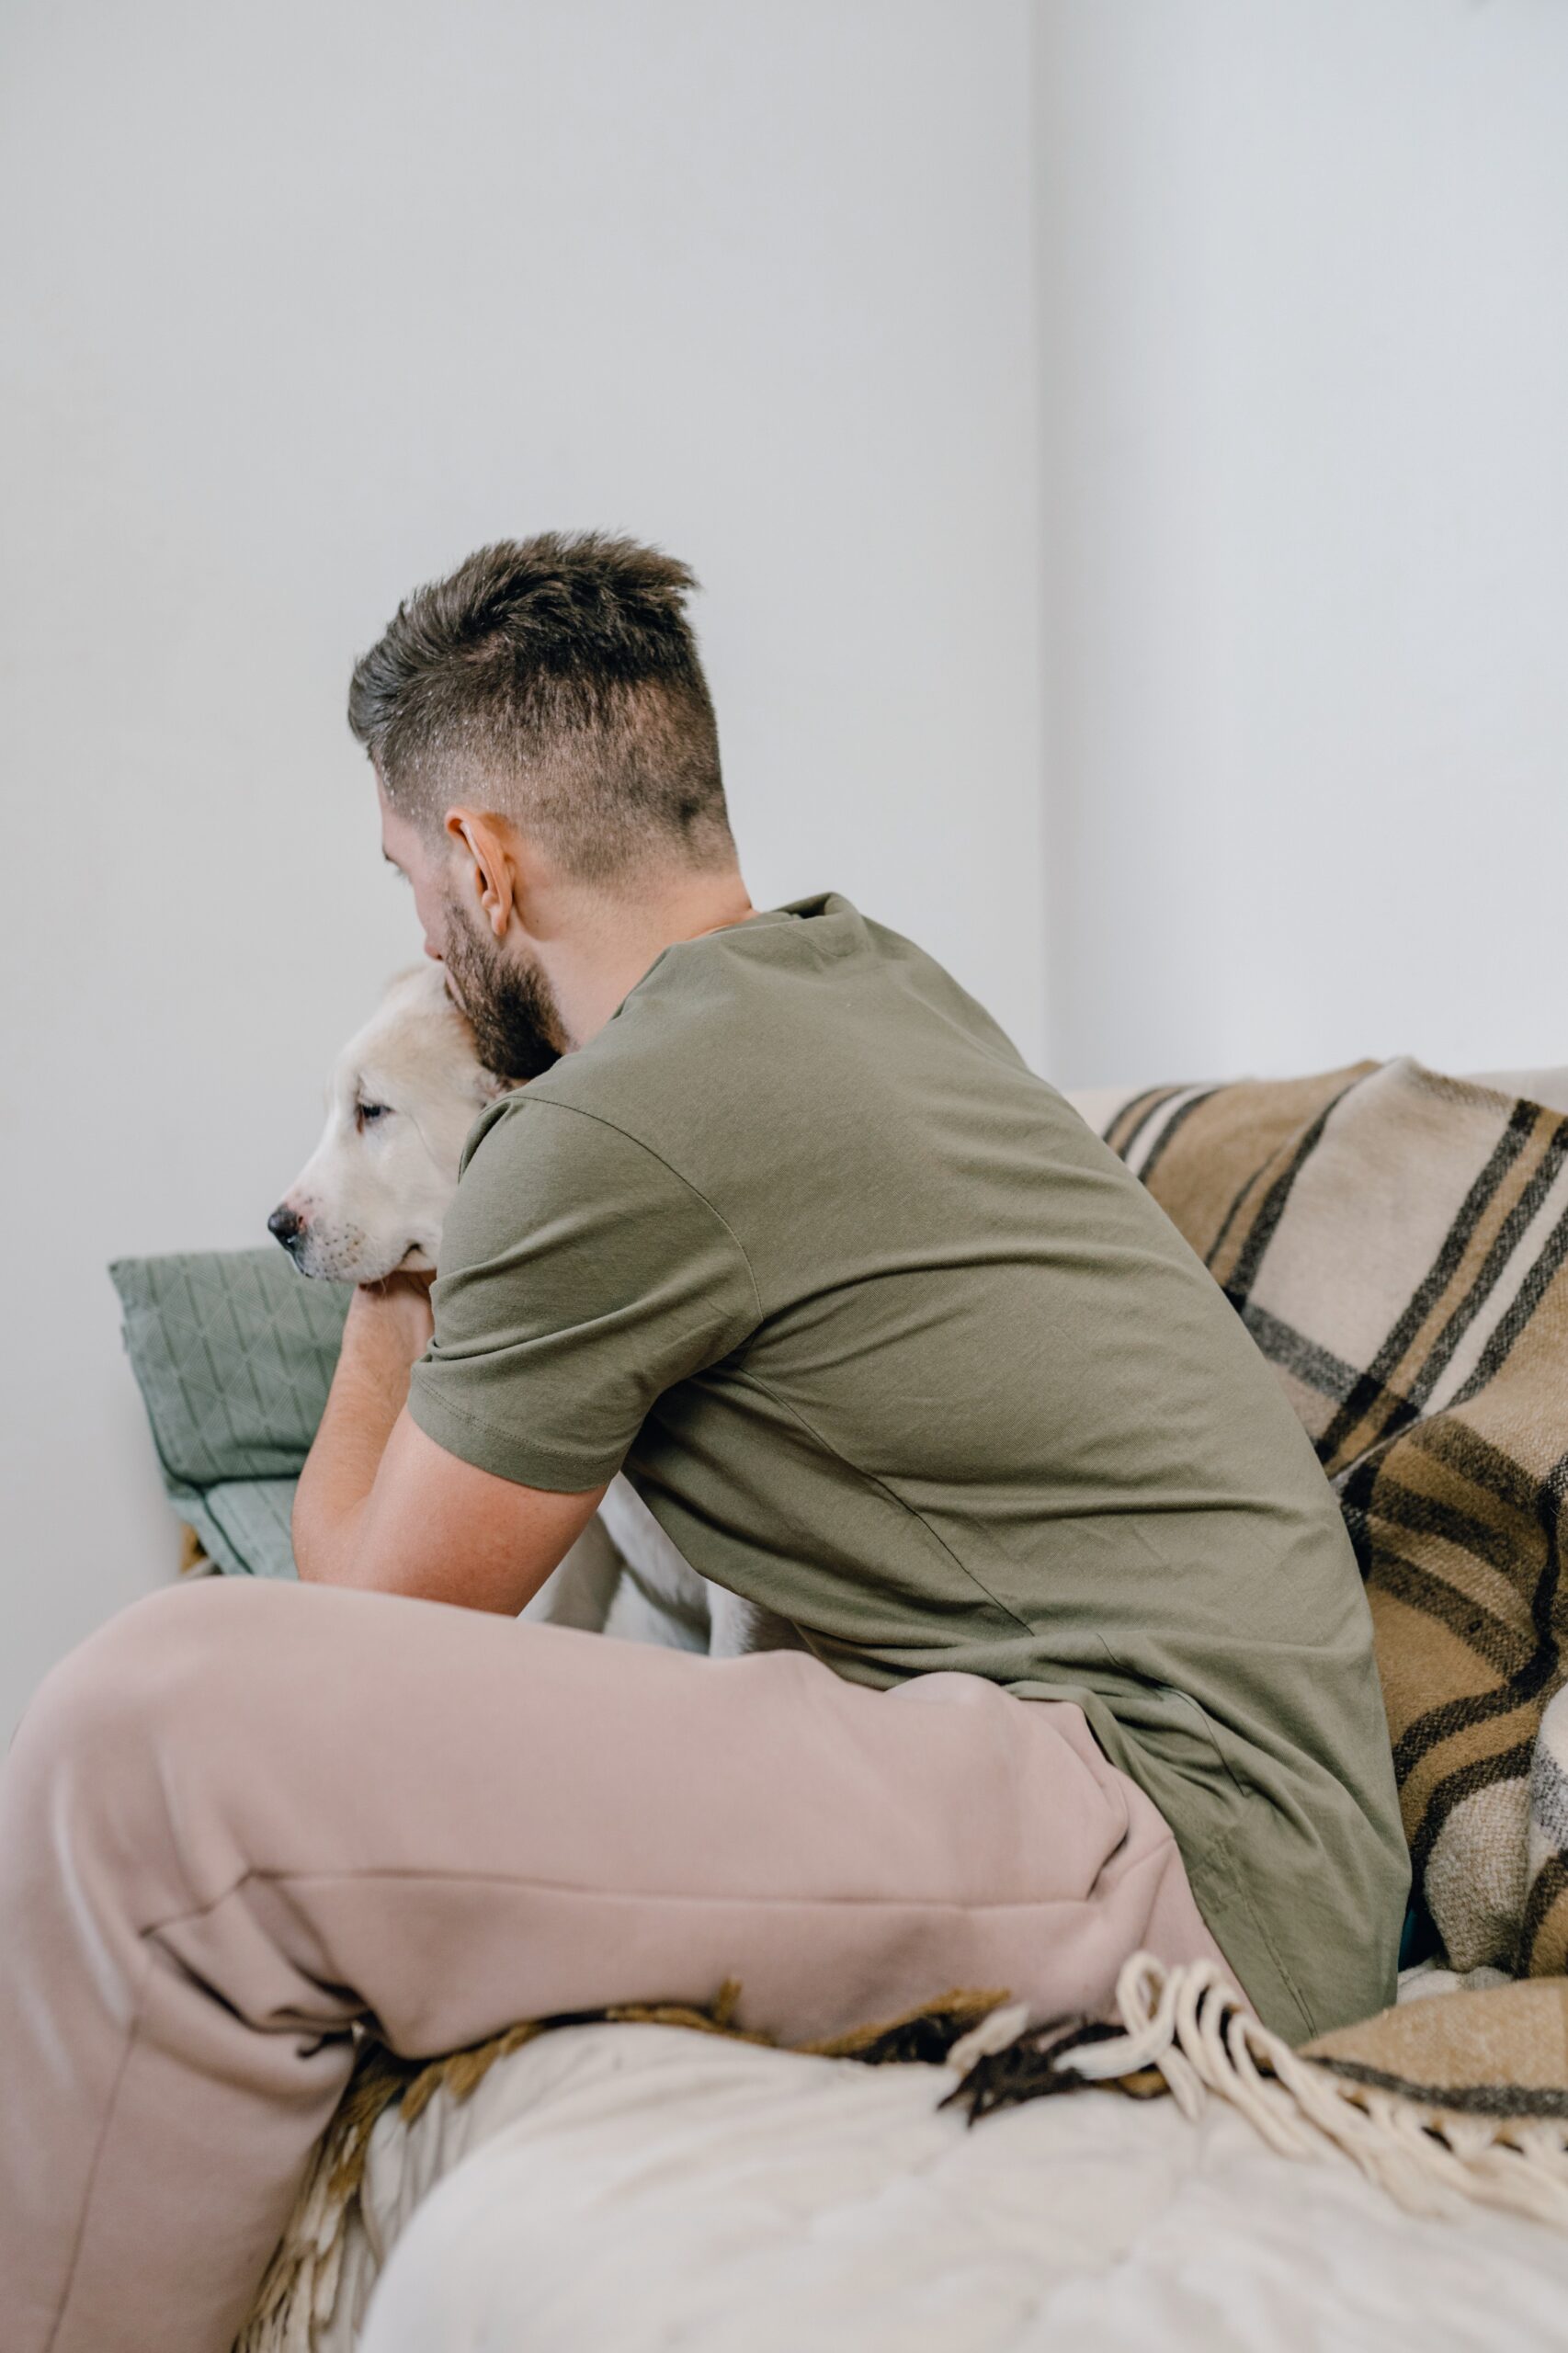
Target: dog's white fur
x,y
373,1197
375,1191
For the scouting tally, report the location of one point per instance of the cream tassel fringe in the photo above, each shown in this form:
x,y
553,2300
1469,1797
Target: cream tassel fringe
x,y
1187,2022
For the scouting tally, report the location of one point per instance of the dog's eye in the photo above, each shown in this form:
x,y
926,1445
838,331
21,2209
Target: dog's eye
x,y
366,1114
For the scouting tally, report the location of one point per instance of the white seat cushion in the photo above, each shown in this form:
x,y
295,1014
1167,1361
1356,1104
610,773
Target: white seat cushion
x,y
634,2189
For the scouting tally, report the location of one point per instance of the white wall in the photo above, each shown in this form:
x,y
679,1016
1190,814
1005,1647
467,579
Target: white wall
x,y
1305,306
304,301
1267,300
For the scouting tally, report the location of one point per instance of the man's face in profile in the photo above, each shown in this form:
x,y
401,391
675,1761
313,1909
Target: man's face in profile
x,y
499,985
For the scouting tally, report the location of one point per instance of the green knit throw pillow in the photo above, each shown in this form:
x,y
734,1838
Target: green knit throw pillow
x,y
234,1354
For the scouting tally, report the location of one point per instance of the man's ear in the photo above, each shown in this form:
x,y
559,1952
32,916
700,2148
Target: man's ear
x,y
493,871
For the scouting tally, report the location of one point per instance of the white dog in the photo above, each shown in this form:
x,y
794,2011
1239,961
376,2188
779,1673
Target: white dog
x,y
373,1197
407,1087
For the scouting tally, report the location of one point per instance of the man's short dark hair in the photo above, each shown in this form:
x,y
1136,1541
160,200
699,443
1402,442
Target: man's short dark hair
x,y
557,676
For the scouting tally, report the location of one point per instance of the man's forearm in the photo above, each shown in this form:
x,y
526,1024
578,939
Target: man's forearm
x,y
383,1339
382,1507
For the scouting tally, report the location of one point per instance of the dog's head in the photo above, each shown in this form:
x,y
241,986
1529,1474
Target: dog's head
x,y
406,1090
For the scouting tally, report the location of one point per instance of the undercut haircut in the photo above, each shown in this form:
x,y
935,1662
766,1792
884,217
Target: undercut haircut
x,y
558,678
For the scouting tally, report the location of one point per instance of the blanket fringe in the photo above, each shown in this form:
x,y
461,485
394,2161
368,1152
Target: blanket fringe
x,y
1187,2025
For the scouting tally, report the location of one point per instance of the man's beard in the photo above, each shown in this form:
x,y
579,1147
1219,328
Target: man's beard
x,y
511,1008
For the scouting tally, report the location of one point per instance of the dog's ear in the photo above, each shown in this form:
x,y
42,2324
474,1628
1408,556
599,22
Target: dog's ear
x,y
490,1084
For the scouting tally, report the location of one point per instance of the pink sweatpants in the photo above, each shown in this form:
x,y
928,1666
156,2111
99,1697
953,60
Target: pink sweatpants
x,y
244,1814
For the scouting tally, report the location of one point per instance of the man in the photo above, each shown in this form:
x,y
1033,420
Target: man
x,y
889,1341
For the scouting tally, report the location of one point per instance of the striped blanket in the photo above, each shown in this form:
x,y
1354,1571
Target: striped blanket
x,y
1397,1245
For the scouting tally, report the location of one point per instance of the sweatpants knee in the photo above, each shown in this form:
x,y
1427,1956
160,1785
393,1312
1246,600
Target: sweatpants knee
x,y
118,1725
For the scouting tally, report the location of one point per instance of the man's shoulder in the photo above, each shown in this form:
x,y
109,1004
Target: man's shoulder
x,y
540,1164
653,1085
537,1127
737,1046
674,1058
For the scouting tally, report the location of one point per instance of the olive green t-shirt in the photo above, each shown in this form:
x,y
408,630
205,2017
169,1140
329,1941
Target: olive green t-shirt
x,y
893,1344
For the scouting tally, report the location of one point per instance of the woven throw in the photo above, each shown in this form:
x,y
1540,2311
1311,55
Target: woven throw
x,y
1459,2099
1396,1243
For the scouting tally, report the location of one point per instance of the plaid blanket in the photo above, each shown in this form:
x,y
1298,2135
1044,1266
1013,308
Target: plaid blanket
x,y
1395,1242
1397,1245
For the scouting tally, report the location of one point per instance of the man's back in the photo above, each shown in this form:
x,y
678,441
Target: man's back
x,y
894,1345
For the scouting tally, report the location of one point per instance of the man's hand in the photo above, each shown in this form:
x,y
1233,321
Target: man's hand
x,y
390,1325
380,1506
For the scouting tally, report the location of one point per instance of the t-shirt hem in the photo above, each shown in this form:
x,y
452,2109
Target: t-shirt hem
x,y
525,1464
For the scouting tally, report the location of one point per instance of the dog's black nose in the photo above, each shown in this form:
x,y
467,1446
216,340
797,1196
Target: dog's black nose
x,y
284,1225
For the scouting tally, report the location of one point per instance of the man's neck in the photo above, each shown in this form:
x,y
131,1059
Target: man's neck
x,y
594,973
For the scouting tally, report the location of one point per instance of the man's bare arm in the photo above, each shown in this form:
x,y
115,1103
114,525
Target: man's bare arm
x,y
384,1507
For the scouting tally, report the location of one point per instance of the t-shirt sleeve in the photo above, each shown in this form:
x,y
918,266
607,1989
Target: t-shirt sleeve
x,y
579,1277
